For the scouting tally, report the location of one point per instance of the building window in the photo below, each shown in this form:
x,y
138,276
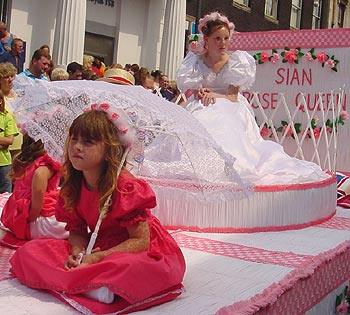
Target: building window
x,y
295,16
271,8
242,2
341,13
316,15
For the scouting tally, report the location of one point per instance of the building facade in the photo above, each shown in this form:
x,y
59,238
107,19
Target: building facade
x,y
267,15
150,33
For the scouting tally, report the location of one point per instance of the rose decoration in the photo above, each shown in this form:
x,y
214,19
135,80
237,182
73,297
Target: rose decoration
x,y
292,56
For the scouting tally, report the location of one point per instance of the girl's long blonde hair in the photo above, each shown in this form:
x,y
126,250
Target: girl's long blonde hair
x,y
94,125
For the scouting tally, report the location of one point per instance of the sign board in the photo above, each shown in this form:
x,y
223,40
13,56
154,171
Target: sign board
x,y
309,64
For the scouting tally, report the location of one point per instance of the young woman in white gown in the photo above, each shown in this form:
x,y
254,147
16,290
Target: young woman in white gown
x,y
215,76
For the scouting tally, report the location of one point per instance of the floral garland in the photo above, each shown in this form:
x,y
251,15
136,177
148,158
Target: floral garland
x,y
342,302
288,131
294,55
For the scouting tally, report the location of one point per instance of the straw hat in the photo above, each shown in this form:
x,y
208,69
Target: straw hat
x,y
118,76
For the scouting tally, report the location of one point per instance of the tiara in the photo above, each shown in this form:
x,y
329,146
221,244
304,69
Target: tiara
x,y
215,16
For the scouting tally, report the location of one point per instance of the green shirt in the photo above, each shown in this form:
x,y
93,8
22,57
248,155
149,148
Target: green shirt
x,y
8,127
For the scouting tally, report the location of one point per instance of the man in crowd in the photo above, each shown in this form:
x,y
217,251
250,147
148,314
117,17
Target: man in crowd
x,y
15,55
75,71
164,88
39,64
6,39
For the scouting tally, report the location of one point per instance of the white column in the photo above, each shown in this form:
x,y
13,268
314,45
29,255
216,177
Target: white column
x,y
69,37
173,40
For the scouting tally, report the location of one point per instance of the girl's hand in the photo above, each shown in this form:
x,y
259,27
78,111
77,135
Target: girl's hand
x,y
72,261
75,260
93,258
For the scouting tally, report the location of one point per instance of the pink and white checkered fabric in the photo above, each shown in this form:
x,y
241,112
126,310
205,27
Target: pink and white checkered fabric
x,y
322,38
287,259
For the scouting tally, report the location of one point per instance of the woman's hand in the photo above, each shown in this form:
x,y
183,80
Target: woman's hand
x,y
209,98
199,94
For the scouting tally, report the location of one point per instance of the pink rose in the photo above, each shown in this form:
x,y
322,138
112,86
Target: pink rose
x,y
308,56
287,130
328,129
344,115
264,131
291,55
275,57
104,106
196,47
264,56
123,129
342,308
322,57
94,106
316,132
114,116
330,63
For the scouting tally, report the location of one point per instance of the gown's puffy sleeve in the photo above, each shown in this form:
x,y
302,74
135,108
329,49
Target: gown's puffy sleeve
x,y
189,76
241,70
136,198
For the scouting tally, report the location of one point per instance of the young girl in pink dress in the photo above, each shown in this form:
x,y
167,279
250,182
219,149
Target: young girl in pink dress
x,y
134,262
30,211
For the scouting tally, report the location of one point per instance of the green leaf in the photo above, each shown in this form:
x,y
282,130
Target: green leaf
x,y
345,292
313,123
296,61
297,127
338,300
335,69
284,61
195,37
279,129
312,50
284,123
286,48
260,62
274,51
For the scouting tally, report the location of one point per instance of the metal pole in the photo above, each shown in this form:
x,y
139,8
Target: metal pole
x,y
198,13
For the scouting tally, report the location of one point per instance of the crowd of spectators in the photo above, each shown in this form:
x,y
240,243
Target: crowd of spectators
x,y
41,66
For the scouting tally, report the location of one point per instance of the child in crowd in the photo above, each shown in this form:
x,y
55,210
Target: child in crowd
x,y
30,211
8,130
134,263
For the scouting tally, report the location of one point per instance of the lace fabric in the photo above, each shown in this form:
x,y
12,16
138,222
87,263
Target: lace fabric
x,y
172,146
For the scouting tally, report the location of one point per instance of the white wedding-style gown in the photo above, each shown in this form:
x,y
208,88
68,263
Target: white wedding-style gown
x,y
233,126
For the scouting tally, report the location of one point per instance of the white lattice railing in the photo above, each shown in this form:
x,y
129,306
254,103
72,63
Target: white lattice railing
x,y
305,134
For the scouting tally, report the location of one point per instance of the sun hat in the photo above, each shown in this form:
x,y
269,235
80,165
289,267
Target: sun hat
x,y
118,76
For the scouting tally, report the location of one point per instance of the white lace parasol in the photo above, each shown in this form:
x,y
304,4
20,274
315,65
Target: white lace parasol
x,y
171,145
